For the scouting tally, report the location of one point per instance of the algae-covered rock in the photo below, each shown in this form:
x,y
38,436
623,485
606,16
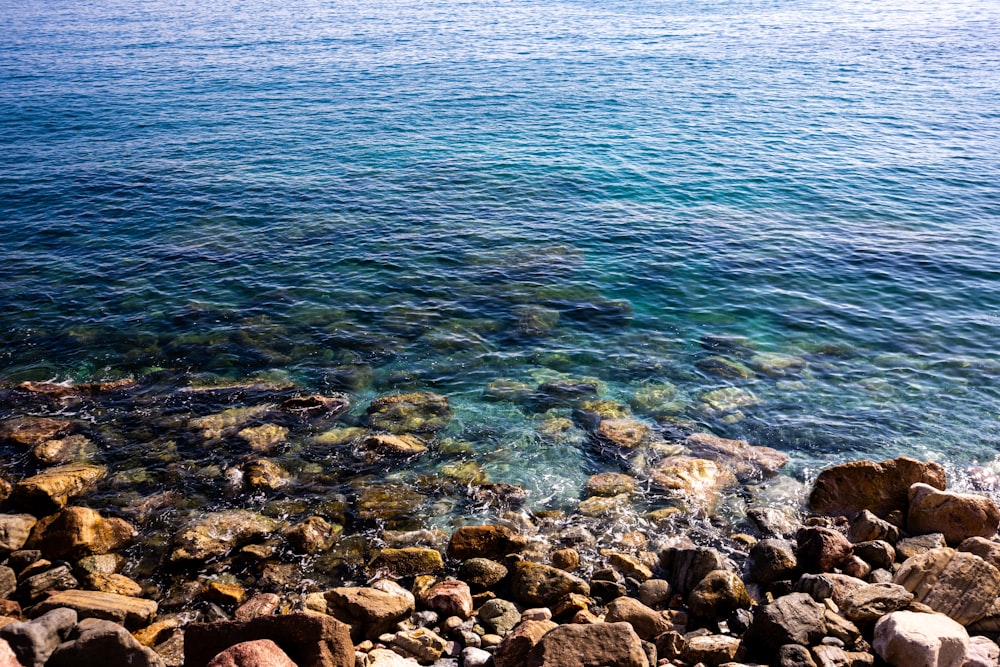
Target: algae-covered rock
x,y
262,474
387,444
468,473
726,368
775,364
229,421
264,438
316,405
407,562
535,321
53,488
563,393
507,390
409,413
216,533
386,501
540,585
313,534
658,400
610,484
340,436
597,506
589,413
745,460
727,400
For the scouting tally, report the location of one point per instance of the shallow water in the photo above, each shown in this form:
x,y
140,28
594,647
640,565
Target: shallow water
x,y
375,197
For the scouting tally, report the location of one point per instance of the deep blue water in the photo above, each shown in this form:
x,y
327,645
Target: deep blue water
x,y
370,196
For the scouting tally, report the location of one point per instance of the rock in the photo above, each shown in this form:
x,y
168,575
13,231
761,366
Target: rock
x,y
71,449
909,547
14,531
655,592
156,632
776,364
866,485
821,549
78,532
697,481
482,573
475,657
747,461
598,506
710,649
728,400
534,320
646,622
258,653
956,515
309,640
316,405
540,585
605,644
513,650
265,438
772,523
726,368
834,656
30,431
122,609
876,553
958,584
507,390
795,655
718,594
484,542
109,643
657,400
866,527
51,489
422,644
409,413
910,639
986,549
7,656
229,421
8,581
450,598
112,583
772,560
34,641
382,657
623,433
685,568
590,413
836,587
370,611
499,616
562,394
407,562
215,534
982,652
261,604
840,628
264,475
565,559
100,564
340,436
386,501
387,444
54,579
628,565
313,535
870,603
791,619
610,484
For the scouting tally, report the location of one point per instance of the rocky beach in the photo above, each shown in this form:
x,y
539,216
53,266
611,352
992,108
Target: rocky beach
x,y
261,526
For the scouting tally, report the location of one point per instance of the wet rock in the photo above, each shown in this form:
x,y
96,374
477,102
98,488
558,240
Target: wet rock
x,y
499,616
308,640
261,604
55,579
728,400
908,547
655,592
646,622
408,561
370,611
14,531
982,652
590,413
718,594
772,522
866,527
409,413
725,368
386,502
450,598
265,438
598,506
387,444
775,364
710,649
217,533
507,390
956,515
698,481
746,460
869,603
51,489
109,643
623,433
535,321
540,585
122,609
865,485
316,405
791,619
34,641
112,583
610,484
264,475
958,584
71,449
482,573
78,532
513,650
658,400
229,421
685,568
313,535
606,644
772,560
30,431
562,394
491,541
909,639
341,435
820,549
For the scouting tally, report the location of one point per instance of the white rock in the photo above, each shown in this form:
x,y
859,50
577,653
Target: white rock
x,y
383,657
537,614
909,639
982,653
475,657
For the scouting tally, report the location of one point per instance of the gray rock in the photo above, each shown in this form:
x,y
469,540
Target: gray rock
x,y
499,616
8,581
34,641
794,655
791,619
919,544
772,560
103,642
877,553
58,578
475,657
685,568
872,602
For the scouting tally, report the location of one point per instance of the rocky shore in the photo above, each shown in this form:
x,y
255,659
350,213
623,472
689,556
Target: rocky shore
x,y
264,525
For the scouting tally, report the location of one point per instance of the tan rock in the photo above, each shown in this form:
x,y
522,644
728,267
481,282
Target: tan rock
x,y
698,481
216,533
70,449
30,431
647,623
128,611
710,649
450,598
112,583
988,550
513,650
540,585
958,584
369,611
409,413
865,485
423,644
623,433
395,445
264,438
229,421
745,460
313,535
576,645
628,565
909,639
598,506
610,484
78,532
53,488
14,531
956,515
490,541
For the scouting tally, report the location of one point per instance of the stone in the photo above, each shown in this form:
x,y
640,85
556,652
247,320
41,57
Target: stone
x,y
697,481
228,421
749,462
370,611
71,449
258,653
956,583
215,534
655,592
540,585
710,649
423,644
108,642
53,488
108,563
565,559
491,541
956,515
646,622
833,586
820,549
499,616
316,405
112,583
313,535
727,400
264,475
507,390
599,506
986,549
7,656
341,436
866,485
910,639
386,501
791,619
78,532
624,433
387,444
834,656
776,364
450,598
685,568
309,640
574,645
261,604
877,553
866,527
908,547
562,393
265,438
407,562
839,627
610,484
870,603
795,655
122,609
772,560
29,431
34,641
513,650
14,531
725,368
482,573
475,657
8,581
772,522
628,565
54,579
381,657
409,413
155,633
982,652
717,595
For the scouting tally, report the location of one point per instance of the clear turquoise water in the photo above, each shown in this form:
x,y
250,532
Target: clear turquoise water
x,y
364,196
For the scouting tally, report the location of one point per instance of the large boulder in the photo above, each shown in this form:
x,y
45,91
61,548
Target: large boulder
x,y
94,641
409,413
866,485
956,515
538,585
605,644
623,433
910,639
52,489
772,560
869,603
407,562
78,532
216,533
718,594
956,583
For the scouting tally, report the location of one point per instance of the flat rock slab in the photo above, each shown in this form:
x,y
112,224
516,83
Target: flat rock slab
x,y
310,640
128,611
956,583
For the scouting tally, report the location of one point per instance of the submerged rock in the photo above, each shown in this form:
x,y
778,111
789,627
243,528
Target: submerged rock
x,y
407,562
386,502
264,438
409,413
745,460
658,400
610,484
698,481
229,421
31,431
726,368
215,534
71,449
53,488
623,433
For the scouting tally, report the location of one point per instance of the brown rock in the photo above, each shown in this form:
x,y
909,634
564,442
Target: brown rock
x,y
313,535
264,438
623,433
513,650
746,460
112,583
128,611
698,481
258,653
821,549
216,533
866,527
956,515
422,644
958,584
872,602
409,413
579,645
52,489
685,568
394,445
54,579
14,531
484,542
628,565
610,484
710,649
316,405
30,431
261,604
538,585
986,549
482,573
71,449
77,532
565,559
646,622
309,640
791,619
369,611
718,594
450,598
386,501
407,562
866,485
264,475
